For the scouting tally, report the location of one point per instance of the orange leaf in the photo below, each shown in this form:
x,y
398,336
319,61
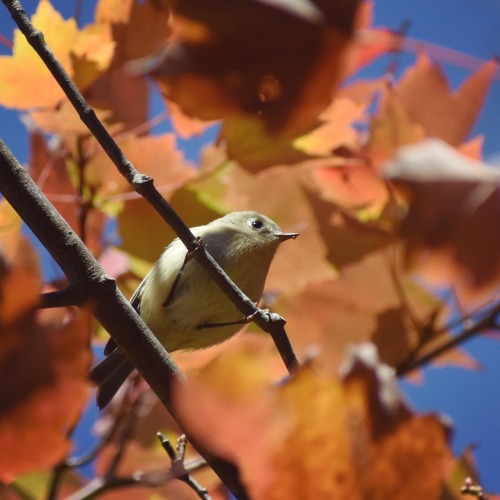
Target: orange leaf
x,y
50,170
363,304
46,393
337,129
316,436
391,128
429,101
45,358
451,226
156,156
24,71
140,28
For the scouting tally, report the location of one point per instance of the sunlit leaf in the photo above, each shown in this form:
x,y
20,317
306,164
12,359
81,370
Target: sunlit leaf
x,y
317,436
83,53
426,95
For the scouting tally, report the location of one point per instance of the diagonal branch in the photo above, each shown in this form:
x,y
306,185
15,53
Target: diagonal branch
x,y
273,324
110,307
485,322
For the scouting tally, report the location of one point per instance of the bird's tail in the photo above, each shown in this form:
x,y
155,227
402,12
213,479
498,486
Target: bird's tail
x,y
109,375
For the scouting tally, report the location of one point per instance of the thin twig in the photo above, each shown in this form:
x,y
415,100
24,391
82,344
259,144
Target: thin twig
x,y
143,184
486,322
131,406
178,468
474,490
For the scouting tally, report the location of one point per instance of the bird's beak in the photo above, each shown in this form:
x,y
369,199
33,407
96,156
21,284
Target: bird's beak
x,y
286,236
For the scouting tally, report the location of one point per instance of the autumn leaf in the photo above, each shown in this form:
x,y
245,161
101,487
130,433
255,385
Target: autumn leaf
x,y
45,358
337,129
247,142
139,29
156,156
253,75
450,229
84,54
51,170
365,303
350,192
391,128
316,435
427,98
145,234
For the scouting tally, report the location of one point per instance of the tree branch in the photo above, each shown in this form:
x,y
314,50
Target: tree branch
x,y
490,320
99,290
69,296
144,185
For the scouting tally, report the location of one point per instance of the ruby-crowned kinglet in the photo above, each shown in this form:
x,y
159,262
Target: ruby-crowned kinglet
x,y
181,304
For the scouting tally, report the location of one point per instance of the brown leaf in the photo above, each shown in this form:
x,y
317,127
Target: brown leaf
x,y
316,436
45,358
363,304
124,96
185,126
429,101
139,28
215,67
451,225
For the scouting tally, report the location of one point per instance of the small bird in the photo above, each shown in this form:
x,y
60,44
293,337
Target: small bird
x,y
182,305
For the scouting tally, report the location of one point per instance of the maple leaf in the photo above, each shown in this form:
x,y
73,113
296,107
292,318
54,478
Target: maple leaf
x,y
157,156
44,357
51,170
84,54
390,128
315,435
365,303
429,101
138,28
215,67
337,129
451,225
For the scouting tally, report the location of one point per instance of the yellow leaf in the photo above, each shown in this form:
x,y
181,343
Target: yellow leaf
x,y
24,71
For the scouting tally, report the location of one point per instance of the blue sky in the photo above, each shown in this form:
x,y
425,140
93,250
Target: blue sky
x,y
470,398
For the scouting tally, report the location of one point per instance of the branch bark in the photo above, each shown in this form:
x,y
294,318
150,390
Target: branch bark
x,y
272,324
85,275
485,322
99,290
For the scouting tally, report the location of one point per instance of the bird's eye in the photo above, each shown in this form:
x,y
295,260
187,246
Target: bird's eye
x,y
256,224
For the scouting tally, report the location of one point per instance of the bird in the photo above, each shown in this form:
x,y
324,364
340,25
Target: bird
x,y
183,306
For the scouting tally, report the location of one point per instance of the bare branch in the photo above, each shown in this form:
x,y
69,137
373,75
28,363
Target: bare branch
x,y
487,321
111,308
70,296
178,469
473,490
144,186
